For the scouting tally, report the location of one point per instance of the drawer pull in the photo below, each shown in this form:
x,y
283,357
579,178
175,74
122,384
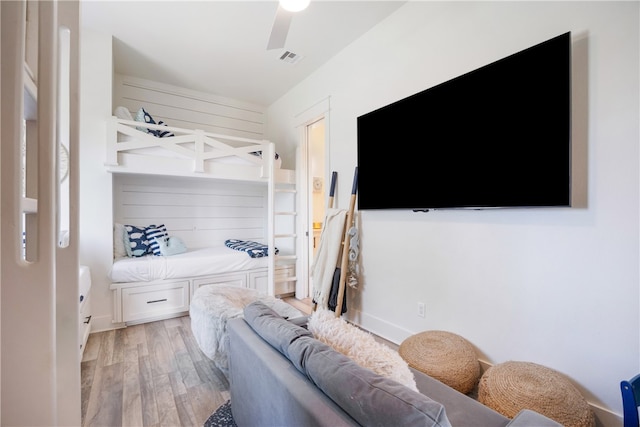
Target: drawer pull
x,y
157,300
88,319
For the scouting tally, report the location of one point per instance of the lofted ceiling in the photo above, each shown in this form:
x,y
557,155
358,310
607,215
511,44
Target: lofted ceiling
x,y
220,47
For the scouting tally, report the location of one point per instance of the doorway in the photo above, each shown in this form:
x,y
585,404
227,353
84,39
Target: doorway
x,y
315,140
312,172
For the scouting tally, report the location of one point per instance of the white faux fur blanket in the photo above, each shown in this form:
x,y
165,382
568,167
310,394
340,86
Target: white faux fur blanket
x,y
360,346
213,305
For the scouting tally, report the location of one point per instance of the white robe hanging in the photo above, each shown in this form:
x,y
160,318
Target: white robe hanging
x,y
326,259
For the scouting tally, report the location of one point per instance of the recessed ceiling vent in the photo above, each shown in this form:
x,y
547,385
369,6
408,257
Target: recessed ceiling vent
x,y
290,57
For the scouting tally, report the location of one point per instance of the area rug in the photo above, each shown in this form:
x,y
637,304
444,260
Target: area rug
x,y
222,417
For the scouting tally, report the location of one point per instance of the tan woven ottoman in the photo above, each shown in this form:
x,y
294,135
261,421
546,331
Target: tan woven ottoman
x,y
512,386
445,356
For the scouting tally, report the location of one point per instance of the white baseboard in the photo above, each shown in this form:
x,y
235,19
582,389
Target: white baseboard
x,y
379,327
104,323
606,418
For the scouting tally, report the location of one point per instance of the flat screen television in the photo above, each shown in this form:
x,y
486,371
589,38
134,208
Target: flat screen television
x,y
496,137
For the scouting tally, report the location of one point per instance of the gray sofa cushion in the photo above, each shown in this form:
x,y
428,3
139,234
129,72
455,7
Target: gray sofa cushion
x,y
267,390
371,399
272,327
300,321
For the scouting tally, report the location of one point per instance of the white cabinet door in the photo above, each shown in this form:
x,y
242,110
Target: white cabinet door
x,y
84,327
147,302
285,280
259,280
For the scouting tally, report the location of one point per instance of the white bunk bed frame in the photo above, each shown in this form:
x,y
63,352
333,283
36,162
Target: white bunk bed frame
x,y
198,151
196,154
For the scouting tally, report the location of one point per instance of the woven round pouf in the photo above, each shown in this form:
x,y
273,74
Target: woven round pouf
x,y
512,386
445,356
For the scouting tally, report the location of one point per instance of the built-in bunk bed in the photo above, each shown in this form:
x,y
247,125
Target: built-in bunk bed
x,y
210,199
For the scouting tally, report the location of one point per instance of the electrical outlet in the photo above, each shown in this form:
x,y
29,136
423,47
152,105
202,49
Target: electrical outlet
x,y
421,309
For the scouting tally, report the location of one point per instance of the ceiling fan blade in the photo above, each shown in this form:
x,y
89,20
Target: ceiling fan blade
x,y
280,29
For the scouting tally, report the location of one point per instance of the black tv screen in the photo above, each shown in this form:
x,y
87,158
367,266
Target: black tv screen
x,y
498,136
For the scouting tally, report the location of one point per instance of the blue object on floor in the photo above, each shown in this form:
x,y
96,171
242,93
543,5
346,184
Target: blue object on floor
x,y
630,401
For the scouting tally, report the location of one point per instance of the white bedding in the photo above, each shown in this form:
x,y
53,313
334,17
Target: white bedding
x,y
196,262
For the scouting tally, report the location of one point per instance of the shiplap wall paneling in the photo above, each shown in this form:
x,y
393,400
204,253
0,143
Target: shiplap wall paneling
x,y
201,212
183,108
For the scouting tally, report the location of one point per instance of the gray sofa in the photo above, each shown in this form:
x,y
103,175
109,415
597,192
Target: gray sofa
x,y
280,375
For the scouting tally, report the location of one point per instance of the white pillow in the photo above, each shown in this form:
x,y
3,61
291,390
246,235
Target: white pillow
x,y
119,235
171,246
360,346
123,113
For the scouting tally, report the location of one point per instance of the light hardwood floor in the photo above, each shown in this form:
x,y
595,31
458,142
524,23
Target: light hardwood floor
x,y
153,374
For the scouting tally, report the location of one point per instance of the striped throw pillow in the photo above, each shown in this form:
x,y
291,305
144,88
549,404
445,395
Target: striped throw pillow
x,y
156,234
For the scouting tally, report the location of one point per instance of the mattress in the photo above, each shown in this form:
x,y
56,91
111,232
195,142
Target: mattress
x,y
193,263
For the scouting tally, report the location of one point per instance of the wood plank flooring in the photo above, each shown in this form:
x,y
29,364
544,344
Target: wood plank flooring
x,y
153,374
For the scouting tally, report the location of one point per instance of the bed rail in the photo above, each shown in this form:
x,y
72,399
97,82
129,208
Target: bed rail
x,y
188,153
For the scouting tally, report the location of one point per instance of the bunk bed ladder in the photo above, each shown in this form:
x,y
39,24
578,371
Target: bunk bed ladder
x,y
285,223
282,234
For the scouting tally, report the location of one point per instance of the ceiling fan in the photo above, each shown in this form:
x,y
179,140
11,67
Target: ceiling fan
x,y
282,21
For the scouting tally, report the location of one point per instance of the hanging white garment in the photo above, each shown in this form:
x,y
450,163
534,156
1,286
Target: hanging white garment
x,y
326,259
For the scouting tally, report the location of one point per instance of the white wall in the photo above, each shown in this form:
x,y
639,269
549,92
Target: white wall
x,y
189,109
201,212
558,287
96,235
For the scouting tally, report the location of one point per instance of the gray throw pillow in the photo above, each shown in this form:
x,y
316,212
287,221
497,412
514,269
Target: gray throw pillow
x,y
272,327
371,399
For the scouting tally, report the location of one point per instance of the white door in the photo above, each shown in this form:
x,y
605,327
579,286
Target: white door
x,y
313,189
317,196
